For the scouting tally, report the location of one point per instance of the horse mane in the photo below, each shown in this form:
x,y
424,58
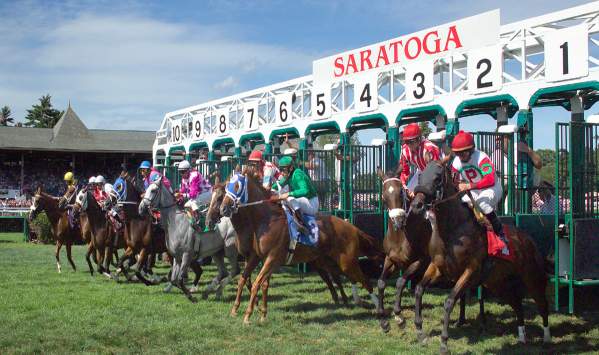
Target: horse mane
x,y
47,196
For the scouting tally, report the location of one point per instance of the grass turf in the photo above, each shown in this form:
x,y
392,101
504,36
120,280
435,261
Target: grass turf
x,y
42,311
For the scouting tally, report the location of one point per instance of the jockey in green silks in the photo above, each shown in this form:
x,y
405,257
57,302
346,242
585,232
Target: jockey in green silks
x,y
302,194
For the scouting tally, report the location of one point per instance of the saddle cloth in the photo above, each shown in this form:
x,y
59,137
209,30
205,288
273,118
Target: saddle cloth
x,y
310,221
494,243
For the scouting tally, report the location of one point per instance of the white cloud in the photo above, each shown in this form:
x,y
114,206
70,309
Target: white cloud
x,y
128,65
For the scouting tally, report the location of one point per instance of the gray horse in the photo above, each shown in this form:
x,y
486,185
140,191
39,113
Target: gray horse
x,y
186,245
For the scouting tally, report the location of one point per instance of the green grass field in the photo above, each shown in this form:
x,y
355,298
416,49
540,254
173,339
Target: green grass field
x,y
42,311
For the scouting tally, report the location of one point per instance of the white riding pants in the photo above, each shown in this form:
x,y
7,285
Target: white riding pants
x,y
200,200
486,199
306,206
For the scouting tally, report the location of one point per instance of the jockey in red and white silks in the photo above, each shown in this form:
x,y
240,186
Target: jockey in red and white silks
x,y
415,151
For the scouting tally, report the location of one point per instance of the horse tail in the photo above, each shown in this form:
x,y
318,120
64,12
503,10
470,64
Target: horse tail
x,y
370,246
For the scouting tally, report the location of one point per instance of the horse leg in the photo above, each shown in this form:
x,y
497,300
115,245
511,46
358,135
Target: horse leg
x,y
120,264
399,287
69,255
57,255
388,268
107,257
326,277
267,270
535,284
244,279
197,270
264,308
139,267
90,249
461,285
185,261
223,275
350,267
431,273
337,279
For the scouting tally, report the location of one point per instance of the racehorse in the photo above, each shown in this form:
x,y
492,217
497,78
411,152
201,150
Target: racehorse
x,y
339,240
327,269
406,247
140,236
458,250
183,243
61,230
101,231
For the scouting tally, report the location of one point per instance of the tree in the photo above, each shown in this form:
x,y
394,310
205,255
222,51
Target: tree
x,y
5,116
425,128
43,115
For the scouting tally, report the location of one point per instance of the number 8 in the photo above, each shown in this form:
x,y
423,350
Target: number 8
x,y
223,125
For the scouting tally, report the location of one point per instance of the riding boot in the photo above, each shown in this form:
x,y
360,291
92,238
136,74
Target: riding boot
x,y
498,229
299,220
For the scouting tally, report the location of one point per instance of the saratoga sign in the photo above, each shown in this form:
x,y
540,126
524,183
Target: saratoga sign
x,y
471,32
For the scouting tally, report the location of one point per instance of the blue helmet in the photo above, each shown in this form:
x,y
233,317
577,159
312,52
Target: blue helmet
x,y
145,165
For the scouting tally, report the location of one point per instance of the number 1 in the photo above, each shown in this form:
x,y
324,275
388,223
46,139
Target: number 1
x,y
564,48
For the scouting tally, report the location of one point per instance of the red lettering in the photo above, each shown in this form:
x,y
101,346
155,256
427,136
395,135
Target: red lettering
x,y
453,37
351,63
407,47
394,46
383,56
436,41
339,65
365,58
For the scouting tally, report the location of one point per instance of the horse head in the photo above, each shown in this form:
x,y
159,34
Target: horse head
x,y
155,198
395,198
434,184
213,215
36,204
235,193
81,201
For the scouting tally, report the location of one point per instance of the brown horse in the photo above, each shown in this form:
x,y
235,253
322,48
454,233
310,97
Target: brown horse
x,y
458,250
338,240
101,231
141,237
406,248
61,231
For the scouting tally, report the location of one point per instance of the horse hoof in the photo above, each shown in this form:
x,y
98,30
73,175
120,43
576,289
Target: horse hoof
x,y
444,349
385,326
233,313
168,288
193,299
262,319
246,321
401,321
422,338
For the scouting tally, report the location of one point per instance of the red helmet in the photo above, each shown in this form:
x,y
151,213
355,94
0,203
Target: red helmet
x,y
411,131
462,141
255,155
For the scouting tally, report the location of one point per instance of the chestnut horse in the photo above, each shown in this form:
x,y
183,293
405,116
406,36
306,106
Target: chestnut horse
x,y
61,230
326,268
458,250
406,248
339,240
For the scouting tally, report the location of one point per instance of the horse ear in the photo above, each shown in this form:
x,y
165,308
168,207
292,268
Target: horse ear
x,y
38,190
379,173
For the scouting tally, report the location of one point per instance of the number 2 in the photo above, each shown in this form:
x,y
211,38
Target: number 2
x,y
479,80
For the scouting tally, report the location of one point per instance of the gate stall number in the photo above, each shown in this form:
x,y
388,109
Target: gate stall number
x,y
566,53
283,109
177,131
250,116
366,93
484,70
321,102
197,130
222,122
420,83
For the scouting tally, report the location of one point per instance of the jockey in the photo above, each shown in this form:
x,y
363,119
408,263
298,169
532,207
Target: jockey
x,y
267,171
302,194
478,176
71,191
195,189
415,151
99,193
150,174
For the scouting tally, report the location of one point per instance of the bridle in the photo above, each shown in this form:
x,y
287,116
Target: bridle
x,y
159,185
395,213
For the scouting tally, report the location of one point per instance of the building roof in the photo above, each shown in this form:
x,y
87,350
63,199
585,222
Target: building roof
x,y
71,134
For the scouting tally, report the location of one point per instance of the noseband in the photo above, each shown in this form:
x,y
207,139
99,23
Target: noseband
x,y
393,213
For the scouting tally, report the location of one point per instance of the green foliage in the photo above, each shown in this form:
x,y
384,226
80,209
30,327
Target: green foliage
x,y
43,115
6,116
42,227
425,128
324,139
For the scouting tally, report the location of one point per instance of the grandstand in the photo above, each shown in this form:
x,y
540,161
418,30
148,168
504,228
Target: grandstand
x,y
30,157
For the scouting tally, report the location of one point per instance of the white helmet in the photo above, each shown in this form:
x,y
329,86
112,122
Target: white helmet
x,y
92,180
100,179
184,165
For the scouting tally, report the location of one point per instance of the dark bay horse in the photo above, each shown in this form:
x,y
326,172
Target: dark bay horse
x,y
61,230
406,247
458,250
101,230
141,238
339,240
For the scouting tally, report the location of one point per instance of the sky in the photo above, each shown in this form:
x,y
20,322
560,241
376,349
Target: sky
x,y
124,64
